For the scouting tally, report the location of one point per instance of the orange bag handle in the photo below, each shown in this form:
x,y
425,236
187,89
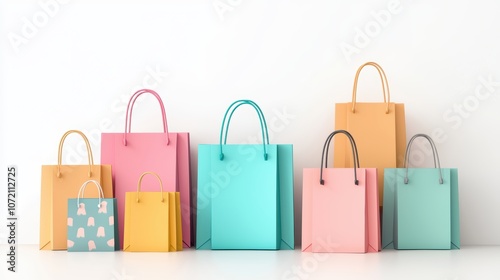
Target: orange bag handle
x,y
89,151
385,85
140,182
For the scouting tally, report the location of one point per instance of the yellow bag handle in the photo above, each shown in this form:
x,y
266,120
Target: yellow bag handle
x,y
140,182
385,85
89,151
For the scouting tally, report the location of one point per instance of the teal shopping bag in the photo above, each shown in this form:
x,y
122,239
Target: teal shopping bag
x,y
92,222
245,192
421,208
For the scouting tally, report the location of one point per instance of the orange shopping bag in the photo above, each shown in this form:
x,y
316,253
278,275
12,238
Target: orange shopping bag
x,y
379,130
60,182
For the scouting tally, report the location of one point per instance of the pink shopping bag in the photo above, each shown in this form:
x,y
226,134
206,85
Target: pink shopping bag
x,y
165,153
340,210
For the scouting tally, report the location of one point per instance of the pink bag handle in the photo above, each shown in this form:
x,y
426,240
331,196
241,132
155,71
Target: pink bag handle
x,y
130,106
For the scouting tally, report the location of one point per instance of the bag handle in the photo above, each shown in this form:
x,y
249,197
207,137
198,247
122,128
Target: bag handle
x,y
324,155
89,151
140,182
81,192
130,106
437,163
262,120
385,85
225,126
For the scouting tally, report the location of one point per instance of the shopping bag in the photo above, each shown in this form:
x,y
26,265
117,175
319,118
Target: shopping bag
x,y
340,211
421,208
92,222
130,153
152,220
245,192
379,130
60,182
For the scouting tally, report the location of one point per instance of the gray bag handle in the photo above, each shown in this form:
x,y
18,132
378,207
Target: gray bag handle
x,y
435,154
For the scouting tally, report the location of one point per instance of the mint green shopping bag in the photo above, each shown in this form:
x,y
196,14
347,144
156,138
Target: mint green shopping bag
x,y
245,192
421,206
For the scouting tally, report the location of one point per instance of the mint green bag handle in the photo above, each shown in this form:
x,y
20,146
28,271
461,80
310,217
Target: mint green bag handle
x,y
435,154
225,126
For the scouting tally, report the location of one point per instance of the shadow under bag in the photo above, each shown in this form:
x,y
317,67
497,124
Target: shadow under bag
x,y
421,206
340,211
245,192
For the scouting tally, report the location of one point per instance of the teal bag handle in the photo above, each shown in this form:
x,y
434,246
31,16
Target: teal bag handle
x,y
262,119
326,147
225,126
437,163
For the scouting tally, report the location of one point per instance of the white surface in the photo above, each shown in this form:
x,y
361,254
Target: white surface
x,y
77,67
468,263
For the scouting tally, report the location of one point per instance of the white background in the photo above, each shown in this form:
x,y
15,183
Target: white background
x,y
74,65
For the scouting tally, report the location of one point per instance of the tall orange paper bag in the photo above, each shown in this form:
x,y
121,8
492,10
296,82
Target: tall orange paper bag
x,y
379,130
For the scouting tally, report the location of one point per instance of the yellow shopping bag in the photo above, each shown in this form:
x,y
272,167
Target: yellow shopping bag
x,y
152,220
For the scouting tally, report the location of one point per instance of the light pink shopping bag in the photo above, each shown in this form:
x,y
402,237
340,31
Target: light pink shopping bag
x,y
340,207
165,153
